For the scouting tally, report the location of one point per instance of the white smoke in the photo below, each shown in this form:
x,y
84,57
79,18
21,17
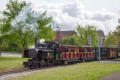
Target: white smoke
x,y
42,41
26,19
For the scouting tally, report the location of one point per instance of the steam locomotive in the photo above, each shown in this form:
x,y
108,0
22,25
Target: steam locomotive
x,y
52,53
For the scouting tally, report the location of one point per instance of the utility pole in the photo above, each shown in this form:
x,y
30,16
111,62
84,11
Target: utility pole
x,y
53,25
118,26
58,33
119,19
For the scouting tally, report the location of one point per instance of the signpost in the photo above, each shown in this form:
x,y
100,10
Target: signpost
x,y
89,40
99,48
99,44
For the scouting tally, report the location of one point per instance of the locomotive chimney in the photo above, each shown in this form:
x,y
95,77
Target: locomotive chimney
x,y
35,42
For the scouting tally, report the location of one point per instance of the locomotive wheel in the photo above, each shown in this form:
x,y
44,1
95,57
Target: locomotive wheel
x,y
34,65
65,62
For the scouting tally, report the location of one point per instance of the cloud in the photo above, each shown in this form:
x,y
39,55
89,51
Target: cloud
x,y
74,9
68,15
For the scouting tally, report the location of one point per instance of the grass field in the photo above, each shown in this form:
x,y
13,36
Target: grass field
x,y
8,63
117,59
82,71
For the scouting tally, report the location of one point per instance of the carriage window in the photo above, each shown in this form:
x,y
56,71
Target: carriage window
x,y
67,50
85,50
88,50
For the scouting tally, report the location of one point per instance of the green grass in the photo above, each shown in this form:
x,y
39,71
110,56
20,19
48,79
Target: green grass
x,y
117,59
9,63
82,71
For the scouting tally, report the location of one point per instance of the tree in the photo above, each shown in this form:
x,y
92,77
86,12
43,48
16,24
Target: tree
x,y
44,29
111,39
117,34
70,40
84,32
12,10
27,25
32,25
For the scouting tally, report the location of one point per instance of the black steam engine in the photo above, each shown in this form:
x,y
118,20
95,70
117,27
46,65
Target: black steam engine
x,y
52,53
44,54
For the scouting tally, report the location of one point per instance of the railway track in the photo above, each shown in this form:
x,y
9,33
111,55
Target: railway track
x,y
14,71
20,70
9,75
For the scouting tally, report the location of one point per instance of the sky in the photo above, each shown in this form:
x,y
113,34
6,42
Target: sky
x,y
103,14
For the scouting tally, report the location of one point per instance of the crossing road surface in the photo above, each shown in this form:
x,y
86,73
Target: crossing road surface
x,y
115,76
8,54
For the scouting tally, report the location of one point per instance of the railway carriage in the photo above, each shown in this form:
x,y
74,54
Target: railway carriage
x,y
112,53
103,53
69,53
118,52
87,53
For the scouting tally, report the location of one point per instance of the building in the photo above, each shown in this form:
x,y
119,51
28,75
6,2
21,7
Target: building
x,y
61,34
101,36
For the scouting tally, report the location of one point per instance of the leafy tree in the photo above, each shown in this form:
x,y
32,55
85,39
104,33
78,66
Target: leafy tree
x,y
117,34
70,40
33,25
13,9
44,29
25,26
111,39
85,32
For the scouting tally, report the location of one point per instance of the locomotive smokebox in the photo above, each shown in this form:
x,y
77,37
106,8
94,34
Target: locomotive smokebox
x,y
30,53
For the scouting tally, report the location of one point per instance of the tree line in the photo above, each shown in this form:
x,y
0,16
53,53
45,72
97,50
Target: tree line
x,y
83,32
20,24
113,38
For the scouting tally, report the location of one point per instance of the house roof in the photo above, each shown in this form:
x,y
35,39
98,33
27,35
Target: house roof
x,y
101,34
61,34
67,33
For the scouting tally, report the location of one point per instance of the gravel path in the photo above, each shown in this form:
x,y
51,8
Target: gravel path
x,y
110,62
115,76
11,76
15,75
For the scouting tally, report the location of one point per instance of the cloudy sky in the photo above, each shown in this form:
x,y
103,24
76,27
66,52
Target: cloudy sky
x,y
103,14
